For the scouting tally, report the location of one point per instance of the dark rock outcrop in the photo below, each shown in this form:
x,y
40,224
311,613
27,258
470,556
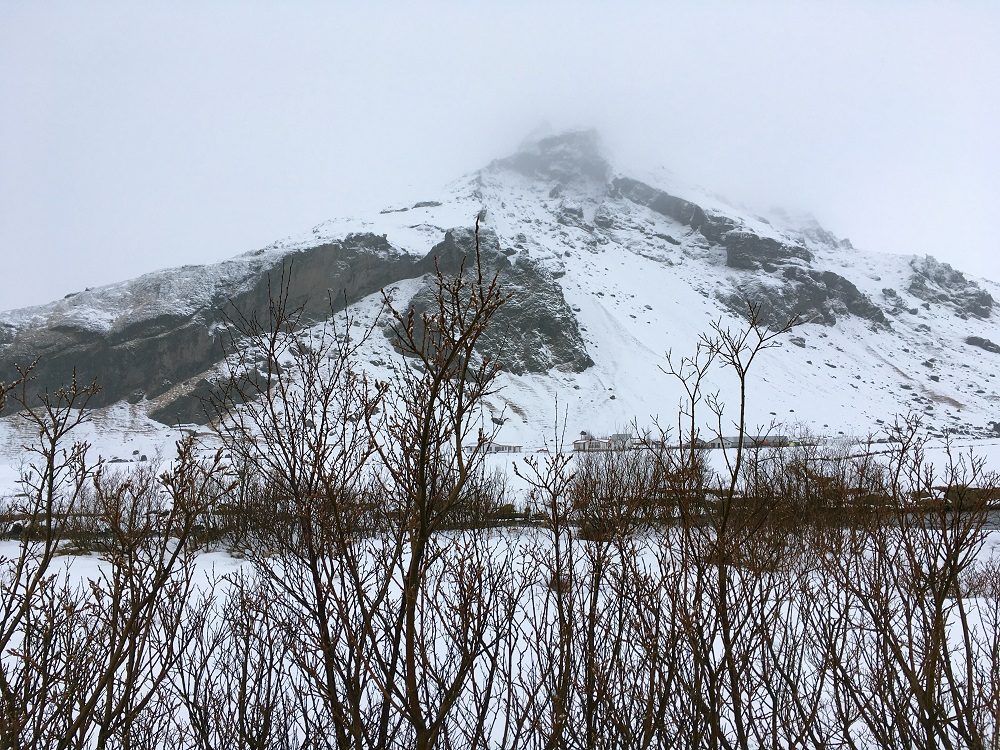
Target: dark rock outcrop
x,y
789,289
937,282
196,404
535,330
745,250
895,305
149,353
983,344
682,211
566,158
193,407
750,252
811,296
138,351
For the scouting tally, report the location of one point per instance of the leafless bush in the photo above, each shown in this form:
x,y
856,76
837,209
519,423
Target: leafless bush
x,y
910,647
614,492
84,663
389,602
233,682
37,609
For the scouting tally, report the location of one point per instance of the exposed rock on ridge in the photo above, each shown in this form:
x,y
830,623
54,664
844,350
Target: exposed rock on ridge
x,y
566,158
982,343
682,211
934,281
808,296
535,330
795,289
136,356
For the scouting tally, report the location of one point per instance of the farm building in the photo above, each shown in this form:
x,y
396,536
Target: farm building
x,y
503,448
588,443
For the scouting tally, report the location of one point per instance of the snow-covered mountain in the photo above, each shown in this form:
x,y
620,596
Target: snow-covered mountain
x,y
608,272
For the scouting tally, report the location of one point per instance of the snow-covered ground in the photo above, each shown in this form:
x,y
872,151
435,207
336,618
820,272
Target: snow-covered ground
x,y
120,435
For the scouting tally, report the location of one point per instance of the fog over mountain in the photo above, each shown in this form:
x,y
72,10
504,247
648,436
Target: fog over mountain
x,y
136,137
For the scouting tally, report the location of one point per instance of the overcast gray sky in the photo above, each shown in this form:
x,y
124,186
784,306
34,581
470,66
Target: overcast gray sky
x,y
135,136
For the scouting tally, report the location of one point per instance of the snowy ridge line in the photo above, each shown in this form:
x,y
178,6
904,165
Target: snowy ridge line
x,y
635,276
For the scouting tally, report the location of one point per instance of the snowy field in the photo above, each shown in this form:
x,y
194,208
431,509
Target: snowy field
x,y
648,631
122,435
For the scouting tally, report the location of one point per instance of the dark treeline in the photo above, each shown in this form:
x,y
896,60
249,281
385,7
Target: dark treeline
x,y
803,598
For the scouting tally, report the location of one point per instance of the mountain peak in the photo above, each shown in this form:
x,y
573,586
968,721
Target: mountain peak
x,y
567,157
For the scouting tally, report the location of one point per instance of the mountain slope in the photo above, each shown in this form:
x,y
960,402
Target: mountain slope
x,y
607,273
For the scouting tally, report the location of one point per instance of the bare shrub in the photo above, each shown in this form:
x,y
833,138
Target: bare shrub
x,y
36,608
86,663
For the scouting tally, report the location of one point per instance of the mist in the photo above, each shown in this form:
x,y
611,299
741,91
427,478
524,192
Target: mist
x,y
135,137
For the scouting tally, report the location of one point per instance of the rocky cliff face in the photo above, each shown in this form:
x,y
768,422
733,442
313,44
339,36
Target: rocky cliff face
x,y
933,281
139,356
535,330
140,338
807,296
802,291
570,158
